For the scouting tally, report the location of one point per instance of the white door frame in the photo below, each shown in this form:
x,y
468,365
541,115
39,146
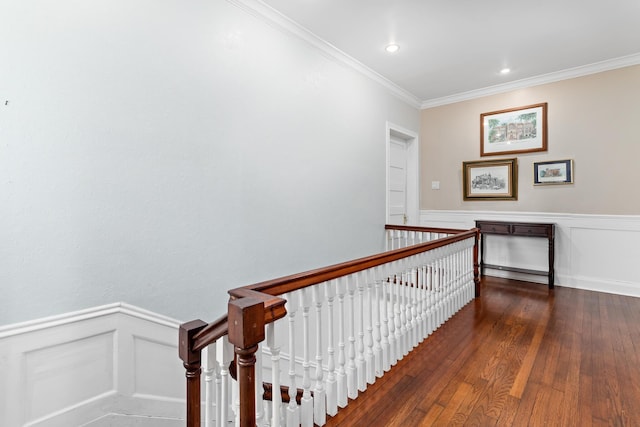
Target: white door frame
x,y
413,171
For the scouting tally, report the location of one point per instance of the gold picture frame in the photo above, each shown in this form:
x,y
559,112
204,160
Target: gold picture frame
x,y
490,179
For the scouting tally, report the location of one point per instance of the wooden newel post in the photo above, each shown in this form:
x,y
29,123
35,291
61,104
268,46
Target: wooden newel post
x,y
476,272
192,363
246,331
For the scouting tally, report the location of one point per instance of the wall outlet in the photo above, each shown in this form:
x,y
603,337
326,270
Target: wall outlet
x,y
435,185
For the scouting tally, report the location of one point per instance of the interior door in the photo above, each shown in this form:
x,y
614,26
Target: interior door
x,y
397,182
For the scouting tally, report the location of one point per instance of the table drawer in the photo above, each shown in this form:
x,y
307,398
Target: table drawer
x,y
497,228
530,230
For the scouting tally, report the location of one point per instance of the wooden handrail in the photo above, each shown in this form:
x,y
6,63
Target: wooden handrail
x,y
302,280
424,229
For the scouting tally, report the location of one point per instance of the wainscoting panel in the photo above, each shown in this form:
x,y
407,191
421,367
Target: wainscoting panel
x,y
109,362
594,252
63,375
152,360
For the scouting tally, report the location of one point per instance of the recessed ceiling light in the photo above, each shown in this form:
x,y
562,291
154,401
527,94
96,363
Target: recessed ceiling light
x,y
392,48
505,71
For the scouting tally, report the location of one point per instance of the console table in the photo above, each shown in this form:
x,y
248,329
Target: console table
x,y
527,229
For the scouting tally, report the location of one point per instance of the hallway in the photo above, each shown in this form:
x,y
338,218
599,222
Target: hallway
x,y
518,355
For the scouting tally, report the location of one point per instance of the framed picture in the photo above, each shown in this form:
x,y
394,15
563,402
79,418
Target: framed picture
x,y
490,180
553,172
516,130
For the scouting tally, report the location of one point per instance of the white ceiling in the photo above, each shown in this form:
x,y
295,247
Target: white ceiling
x,y
453,49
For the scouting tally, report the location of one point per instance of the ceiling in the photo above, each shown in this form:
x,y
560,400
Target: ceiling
x,y
454,49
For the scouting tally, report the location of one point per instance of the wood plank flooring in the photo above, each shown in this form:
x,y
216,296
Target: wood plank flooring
x,y
520,355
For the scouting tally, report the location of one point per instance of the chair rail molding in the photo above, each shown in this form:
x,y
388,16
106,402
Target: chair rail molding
x,y
593,252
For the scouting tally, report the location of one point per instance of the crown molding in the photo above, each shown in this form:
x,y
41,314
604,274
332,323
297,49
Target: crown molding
x,y
570,73
267,14
276,19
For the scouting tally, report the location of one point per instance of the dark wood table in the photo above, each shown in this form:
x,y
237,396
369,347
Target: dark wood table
x,y
526,229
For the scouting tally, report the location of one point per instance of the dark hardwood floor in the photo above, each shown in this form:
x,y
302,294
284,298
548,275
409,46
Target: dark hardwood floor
x,y
520,355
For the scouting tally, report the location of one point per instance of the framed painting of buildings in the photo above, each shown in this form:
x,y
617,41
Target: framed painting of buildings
x,y
515,130
490,180
553,172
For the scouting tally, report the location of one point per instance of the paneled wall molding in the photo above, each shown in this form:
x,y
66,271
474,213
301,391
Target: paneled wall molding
x,y
593,252
90,365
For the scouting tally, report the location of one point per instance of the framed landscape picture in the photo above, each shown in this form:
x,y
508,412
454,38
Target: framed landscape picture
x,y
515,130
553,172
490,180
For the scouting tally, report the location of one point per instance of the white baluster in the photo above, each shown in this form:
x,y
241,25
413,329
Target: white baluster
x,y
435,281
218,382
235,398
445,286
331,387
425,296
361,362
403,311
209,372
306,415
397,310
352,369
450,283
293,411
411,317
319,396
261,418
458,277
413,303
342,373
377,332
418,301
441,287
384,285
391,312
437,272
369,358
276,397
225,355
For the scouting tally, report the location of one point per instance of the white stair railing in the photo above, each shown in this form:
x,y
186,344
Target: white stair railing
x,y
340,335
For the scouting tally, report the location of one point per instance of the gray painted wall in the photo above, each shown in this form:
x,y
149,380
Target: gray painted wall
x,y
160,153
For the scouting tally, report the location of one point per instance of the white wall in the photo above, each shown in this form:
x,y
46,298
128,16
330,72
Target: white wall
x,y
160,153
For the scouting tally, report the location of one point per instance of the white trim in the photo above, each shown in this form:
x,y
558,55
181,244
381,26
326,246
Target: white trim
x,y
89,313
621,222
584,70
272,17
413,171
604,265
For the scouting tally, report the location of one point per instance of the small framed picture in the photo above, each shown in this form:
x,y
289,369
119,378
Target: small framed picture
x,y
514,130
490,179
553,172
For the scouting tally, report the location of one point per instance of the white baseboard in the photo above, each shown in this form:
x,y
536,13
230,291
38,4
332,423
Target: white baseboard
x,y
593,252
68,370
122,420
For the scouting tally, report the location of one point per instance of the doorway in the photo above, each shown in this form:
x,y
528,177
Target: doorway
x,y
402,176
